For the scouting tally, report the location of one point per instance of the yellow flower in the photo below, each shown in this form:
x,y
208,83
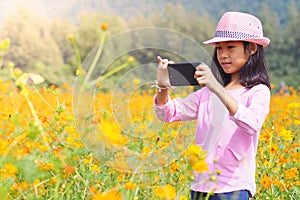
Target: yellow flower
x,y
95,168
200,166
196,150
3,147
286,134
146,149
87,160
8,171
25,92
294,105
11,65
197,158
4,45
297,122
112,133
136,81
11,169
79,72
70,37
165,192
111,195
130,186
130,59
182,197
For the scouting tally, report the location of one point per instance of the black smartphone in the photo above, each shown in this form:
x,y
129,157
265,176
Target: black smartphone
x,y
182,74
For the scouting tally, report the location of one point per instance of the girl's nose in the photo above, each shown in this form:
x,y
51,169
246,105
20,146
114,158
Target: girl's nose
x,y
223,54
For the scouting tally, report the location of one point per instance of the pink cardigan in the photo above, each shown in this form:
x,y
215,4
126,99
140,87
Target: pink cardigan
x,y
231,141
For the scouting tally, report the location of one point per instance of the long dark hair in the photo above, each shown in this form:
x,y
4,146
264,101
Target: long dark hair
x,y
254,72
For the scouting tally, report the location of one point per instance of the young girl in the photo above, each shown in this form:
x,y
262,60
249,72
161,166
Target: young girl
x,y
244,93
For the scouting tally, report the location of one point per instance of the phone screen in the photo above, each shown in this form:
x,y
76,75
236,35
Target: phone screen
x,y
182,74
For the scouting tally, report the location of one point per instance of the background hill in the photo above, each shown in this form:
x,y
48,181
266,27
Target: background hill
x,y
128,8
38,30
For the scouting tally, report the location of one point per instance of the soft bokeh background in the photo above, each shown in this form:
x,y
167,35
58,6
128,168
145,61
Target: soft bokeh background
x,y
42,150
38,30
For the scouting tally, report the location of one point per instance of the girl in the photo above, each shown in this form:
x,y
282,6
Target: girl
x,y
244,93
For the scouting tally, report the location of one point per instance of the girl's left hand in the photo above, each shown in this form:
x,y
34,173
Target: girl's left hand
x,y
205,77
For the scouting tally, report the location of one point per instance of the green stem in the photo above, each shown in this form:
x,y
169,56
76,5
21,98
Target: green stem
x,y
93,65
108,74
36,119
77,53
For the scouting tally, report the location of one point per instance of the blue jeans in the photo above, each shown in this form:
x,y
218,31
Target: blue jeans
x,y
236,195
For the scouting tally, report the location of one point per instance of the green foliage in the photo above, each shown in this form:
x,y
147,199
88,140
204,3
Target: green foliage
x,y
33,49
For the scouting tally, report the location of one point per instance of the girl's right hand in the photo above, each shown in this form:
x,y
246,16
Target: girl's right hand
x,y
162,72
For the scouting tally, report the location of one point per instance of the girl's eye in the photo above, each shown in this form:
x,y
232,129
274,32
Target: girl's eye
x,y
218,48
230,47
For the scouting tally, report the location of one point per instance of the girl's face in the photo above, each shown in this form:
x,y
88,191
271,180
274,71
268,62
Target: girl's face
x,y
231,56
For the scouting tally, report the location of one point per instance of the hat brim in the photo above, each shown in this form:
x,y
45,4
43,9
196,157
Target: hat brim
x,y
262,41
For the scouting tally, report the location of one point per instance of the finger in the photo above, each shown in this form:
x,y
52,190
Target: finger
x,y
201,81
199,73
202,66
159,59
165,63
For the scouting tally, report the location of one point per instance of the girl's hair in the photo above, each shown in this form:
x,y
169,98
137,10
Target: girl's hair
x,y
254,72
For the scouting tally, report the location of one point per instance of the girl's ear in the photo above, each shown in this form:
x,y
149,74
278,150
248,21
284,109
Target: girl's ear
x,y
253,48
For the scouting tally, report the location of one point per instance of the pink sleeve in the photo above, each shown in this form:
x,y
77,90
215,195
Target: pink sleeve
x,y
178,109
250,118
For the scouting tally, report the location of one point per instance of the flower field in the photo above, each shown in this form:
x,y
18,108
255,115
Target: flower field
x,y
42,155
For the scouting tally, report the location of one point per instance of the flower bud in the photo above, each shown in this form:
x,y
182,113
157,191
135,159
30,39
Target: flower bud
x,y
70,37
130,59
104,26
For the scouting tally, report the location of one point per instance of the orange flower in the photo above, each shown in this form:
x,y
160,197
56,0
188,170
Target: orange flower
x,y
47,166
104,26
19,187
8,171
265,182
68,169
175,166
291,173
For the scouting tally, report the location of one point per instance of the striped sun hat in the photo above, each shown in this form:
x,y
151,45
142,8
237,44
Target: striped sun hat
x,y
237,26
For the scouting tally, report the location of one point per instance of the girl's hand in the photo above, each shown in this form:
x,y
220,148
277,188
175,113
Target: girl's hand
x,y
162,72
205,77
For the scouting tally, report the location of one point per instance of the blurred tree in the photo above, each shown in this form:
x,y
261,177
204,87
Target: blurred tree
x,y
177,18
271,26
60,29
33,48
289,52
89,30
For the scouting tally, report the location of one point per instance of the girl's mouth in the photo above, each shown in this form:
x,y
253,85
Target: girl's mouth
x,y
225,64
